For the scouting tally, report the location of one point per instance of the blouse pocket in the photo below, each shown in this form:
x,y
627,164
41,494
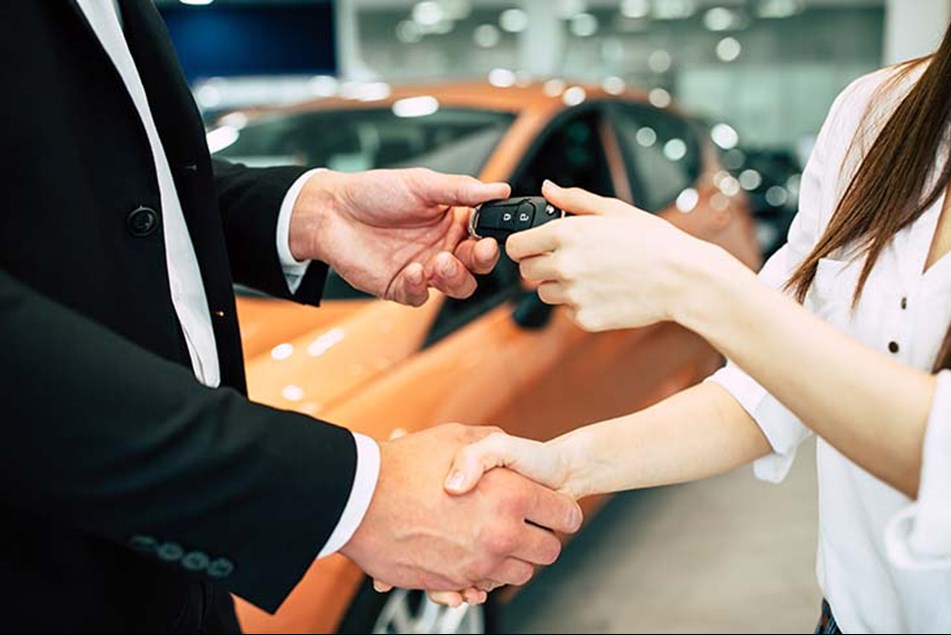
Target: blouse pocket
x,y
833,288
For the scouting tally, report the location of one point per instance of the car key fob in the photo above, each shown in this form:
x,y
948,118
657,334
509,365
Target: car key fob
x,y
502,218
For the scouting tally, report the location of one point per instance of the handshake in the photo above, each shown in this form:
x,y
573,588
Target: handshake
x,y
443,520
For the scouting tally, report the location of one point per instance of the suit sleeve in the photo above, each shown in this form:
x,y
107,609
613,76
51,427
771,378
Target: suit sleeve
x,y
109,438
250,200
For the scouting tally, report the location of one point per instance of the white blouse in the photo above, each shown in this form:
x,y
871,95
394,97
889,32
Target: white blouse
x,y
884,560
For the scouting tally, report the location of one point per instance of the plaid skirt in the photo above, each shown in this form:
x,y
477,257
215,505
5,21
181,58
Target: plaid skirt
x,y
827,624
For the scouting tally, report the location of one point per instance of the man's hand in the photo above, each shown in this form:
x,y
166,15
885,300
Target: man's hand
x,y
395,233
415,535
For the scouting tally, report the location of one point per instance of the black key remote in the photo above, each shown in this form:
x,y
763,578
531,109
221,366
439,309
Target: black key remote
x,y
502,218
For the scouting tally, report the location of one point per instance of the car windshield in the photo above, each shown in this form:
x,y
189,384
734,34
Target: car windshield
x,y
447,139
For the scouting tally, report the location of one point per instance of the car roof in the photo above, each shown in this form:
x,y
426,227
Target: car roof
x,y
468,94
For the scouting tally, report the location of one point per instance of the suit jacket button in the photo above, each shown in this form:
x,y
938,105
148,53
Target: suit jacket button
x,y
142,221
220,568
171,552
143,544
195,561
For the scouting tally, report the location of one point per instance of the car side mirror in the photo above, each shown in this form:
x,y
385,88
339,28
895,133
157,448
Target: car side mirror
x,y
530,312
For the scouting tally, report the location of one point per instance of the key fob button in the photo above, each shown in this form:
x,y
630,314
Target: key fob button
x,y
526,215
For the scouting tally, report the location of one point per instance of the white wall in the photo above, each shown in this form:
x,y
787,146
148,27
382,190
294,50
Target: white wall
x,y
914,27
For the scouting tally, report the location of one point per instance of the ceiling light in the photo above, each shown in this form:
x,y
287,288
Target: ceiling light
x,y
728,49
513,20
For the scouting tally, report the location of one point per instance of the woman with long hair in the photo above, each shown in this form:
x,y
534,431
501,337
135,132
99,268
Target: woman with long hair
x,y
844,334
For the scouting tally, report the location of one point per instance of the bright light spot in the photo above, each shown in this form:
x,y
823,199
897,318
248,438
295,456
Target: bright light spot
x,y
486,36
793,183
415,106
372,91
674,9
659,61
613,85
687,200
635,8
733,159
208,96
777,196
719,202
457,9
220,138
729,186
659,97
408,32
584,25
725,136
567,9
513,20
750,179
646,137
292,393
777,8
675,149
282,351
574,96
721,19
554,87
428,13
324,85
236,120
325,342
196,2
728,49
501,77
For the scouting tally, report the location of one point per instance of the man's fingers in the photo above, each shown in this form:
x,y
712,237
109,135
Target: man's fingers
x,y
410,286
447,274
458,189
538,546
478,256
575,200
382,587
554,511
513,571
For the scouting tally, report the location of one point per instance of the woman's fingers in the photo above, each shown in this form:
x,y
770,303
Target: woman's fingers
x,y
527,457
575,200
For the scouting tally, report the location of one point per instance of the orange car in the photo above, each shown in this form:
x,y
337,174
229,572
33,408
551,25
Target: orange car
x,y
501,357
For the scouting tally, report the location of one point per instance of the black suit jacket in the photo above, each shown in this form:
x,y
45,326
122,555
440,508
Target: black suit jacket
x,y
128,491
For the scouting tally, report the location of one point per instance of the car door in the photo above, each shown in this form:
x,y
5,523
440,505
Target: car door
x,y
674,172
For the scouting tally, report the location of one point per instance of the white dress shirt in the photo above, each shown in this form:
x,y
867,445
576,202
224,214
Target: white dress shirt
x,y
884,561
185,284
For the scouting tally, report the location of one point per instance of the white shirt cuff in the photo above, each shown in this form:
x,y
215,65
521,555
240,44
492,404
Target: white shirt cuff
x,y
782,429
294,269
919,537
364,484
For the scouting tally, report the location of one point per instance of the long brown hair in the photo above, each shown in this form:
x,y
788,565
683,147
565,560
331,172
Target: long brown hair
x,y
888,191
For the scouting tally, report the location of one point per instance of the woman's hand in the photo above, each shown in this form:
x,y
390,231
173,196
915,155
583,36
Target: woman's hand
x,y
615,266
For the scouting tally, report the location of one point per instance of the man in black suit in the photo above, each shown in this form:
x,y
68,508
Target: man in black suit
x,y
138,486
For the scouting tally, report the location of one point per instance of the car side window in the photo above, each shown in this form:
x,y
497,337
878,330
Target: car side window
x,y
570,154
663,153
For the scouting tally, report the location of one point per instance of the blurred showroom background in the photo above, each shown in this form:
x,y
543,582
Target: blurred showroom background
x,y
726,555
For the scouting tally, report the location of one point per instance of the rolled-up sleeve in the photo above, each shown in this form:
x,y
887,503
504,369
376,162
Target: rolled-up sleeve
x,y
919,536
782,429
817,201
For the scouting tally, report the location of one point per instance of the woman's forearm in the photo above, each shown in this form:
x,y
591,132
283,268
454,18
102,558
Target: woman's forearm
x,y
868,406
697,433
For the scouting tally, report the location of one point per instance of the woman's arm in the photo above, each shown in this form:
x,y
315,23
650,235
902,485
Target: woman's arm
x,y
870,407
618,267
699,432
